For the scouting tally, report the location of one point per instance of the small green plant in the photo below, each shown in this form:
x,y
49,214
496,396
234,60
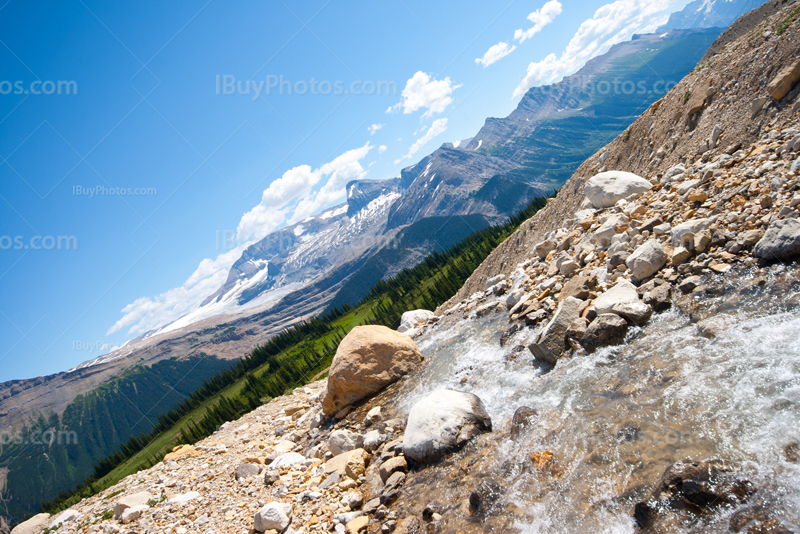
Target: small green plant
x,y
51,529
626,134
108,514
687,96
785,23
113,494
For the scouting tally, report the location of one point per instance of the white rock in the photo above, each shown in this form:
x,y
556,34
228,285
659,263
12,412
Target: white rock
x,y
67,516
373,440
692,226
273,516
513,298
602,236
130,501
133,513
285,446
606,188
373,416
647,259
442,422
495,280
343,440
183,498
414,318
287,459
623,299
687,186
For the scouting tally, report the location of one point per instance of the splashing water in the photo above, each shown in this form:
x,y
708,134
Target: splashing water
x,y
616,419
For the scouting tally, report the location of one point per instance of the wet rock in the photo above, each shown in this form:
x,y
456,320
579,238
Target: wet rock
x,y
551,344
442,422
689,284
792,452
699,486
485,495
344,440
273,516
411,319
659,298
395,480
606,188
523,419
387,468
246,470
623,300
433,508
368,359
137,499
606,329
513,298
371,506
781,240
647,259
409,525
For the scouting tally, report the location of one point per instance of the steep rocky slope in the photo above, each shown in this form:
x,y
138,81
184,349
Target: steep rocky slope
x,y
728,93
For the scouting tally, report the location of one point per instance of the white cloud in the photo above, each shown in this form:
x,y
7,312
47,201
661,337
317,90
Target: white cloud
x,y
374,128
540,18
381,149
149,313
495,53
612,23
290,198
438,126
423,91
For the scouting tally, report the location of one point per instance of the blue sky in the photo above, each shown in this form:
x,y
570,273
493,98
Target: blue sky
x,y
83,269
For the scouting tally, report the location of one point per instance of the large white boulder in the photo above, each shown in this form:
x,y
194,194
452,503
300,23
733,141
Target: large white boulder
x,y
647,259
442,422
412,319
273,516
606,188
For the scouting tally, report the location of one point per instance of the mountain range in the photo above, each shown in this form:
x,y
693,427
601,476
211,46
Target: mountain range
x,y
333,258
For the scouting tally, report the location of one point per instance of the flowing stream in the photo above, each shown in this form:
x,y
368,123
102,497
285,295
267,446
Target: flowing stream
x,y
616,419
